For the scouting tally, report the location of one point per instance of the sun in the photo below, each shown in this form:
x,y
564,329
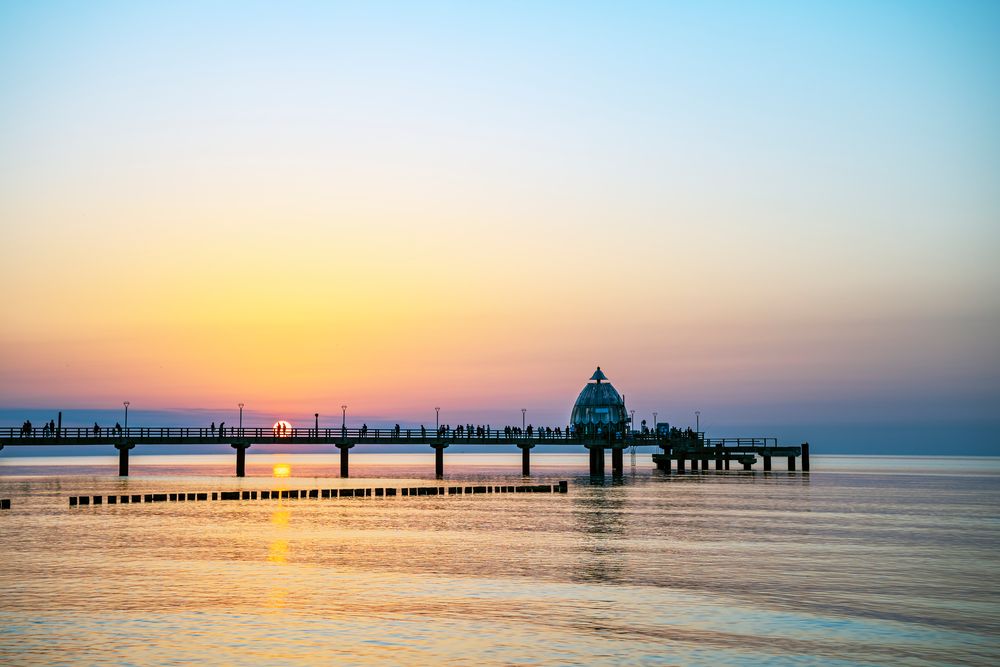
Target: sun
x,y
282,429
282,470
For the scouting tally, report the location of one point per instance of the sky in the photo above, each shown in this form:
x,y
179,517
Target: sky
x,y
785,215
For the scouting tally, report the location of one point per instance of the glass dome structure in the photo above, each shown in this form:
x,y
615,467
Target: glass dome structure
x,y
599,407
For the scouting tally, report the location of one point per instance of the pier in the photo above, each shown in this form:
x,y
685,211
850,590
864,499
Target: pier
x,y
599,420
695,449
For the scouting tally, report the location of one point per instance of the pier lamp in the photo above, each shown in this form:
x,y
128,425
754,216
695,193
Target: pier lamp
x,y
125,403
631,422
241,418
654,422
523,411
316,415
697,421
343,408
437,417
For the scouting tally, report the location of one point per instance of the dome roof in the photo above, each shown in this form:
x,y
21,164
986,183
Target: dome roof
x,y
598,403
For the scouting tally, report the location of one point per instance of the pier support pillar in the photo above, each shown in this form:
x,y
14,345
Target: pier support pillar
x,y
344,468
665,463
241,458
525,459
727,463
704,464
718,457
747,465
805,457
680,464
596,460
123,458
767,463
791,463
439,459
617,461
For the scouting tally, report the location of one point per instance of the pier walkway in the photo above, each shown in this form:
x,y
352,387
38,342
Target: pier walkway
x,y
678,446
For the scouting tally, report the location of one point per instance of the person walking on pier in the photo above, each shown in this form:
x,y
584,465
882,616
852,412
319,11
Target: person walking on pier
x,y
222,430
212,428
97,429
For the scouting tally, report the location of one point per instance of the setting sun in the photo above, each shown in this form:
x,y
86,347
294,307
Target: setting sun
x,y
282,470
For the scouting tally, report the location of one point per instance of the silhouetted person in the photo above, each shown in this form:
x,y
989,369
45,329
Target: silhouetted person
x,y
222,429
97,429
212,428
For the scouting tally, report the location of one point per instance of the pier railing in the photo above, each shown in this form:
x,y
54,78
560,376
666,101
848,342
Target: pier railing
x,y
182,435
196,435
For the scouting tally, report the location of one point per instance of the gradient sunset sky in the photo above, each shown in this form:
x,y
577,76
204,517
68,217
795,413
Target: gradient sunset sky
x,y
781,211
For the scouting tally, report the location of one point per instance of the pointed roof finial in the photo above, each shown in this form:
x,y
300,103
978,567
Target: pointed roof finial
x,y
598,375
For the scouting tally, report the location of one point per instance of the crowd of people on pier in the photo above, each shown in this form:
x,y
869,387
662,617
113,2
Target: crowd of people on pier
x,y
444,431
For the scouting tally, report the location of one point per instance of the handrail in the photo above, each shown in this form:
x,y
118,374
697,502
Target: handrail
x,y
509,435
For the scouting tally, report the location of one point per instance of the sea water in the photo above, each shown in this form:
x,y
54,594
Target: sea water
x,y
865,560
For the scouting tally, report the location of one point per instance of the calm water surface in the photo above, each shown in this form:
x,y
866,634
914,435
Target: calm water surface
x,y
866,560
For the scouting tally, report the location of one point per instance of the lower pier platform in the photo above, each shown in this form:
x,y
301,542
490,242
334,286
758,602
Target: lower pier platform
x,y
723,453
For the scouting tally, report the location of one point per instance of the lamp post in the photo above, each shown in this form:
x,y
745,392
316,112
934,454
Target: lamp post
x,y
316,415
241,418
697,421
523,411
125,403
437,418
343,409
631,422
654,422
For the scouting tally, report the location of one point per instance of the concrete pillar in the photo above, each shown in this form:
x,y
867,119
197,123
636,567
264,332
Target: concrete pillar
x,y
123,458
597,461
525,459
680,464
241,458
791,463
439,459
704,464
718,457
767,463
746,465
617,462
344,468
805,457
726,463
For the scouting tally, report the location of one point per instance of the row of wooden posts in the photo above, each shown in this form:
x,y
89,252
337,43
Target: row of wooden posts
x,y
295,494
